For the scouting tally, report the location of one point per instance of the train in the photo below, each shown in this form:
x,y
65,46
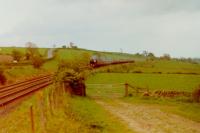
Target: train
x,y
99,61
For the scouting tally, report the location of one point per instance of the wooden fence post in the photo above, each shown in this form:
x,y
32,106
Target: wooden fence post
x,y
126,89
32,119
43,110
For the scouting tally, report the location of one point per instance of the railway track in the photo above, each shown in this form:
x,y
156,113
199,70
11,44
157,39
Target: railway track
x,y
12,92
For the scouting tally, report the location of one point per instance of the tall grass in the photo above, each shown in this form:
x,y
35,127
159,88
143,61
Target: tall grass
x,y
66,114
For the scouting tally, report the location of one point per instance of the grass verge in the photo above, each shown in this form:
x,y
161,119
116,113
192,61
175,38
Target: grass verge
x,y
73,115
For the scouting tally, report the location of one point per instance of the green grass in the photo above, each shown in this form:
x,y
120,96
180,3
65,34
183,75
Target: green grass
x,y
157,66
149,81
73,54
173,66
8,50
72,115
94,115
180,106
64,54
51,65
20,72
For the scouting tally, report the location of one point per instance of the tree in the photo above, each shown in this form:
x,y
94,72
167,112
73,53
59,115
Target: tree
x,y
33,54
151,55
72,45
165,57
31,50
30,45
145,53
64,46
17,55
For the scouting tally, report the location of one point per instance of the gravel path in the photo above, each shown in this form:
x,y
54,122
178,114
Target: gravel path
x,y
148,119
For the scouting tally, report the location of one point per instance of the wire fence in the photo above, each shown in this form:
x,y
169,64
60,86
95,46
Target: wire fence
x,y
116,85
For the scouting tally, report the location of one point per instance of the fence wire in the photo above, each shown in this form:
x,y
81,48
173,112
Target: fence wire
x,y
105,85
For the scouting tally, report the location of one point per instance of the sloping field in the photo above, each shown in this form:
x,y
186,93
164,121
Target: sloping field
x,y
6,59
8,50
156,66
71,53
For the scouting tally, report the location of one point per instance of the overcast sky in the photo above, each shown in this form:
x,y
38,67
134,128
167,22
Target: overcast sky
x,y
159,26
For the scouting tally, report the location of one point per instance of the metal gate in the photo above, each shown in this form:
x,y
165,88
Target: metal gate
x,y
116,90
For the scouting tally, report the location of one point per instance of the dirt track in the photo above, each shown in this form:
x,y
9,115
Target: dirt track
x,y
148,119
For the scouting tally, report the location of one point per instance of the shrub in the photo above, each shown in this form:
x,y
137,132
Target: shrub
x,y
196,94
2,78
138,71
78,64
71,75
17,55
37,61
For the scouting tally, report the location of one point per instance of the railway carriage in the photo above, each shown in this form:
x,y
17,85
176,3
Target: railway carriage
x,y
98,61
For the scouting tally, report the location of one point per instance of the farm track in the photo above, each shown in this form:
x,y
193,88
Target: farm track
x,y
149,119
12,92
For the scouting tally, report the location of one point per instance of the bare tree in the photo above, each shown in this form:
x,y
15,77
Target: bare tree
x,y
165,57
31,51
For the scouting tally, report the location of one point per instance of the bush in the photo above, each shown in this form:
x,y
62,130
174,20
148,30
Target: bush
x,y
2,78
78,64
73,81
196,94
71,75
37,61
17,55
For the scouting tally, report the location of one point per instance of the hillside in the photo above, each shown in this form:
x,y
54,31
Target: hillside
x,y
105,108
141,65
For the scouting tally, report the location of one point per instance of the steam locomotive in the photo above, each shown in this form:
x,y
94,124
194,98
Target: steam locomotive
x,y
99,61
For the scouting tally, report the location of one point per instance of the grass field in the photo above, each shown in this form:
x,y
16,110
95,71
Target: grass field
x,y
177,82
179,106
8,50
156,66
17,73
73,54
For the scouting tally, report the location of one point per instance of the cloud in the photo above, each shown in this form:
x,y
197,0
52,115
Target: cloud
x,y
160,26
